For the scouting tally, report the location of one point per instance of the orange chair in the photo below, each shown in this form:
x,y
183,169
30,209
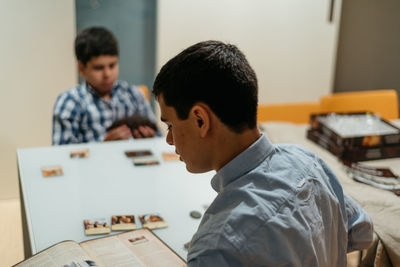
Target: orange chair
x,y
291,112
383,102
145,91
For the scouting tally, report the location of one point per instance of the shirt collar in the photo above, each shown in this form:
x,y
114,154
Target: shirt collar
x,y
243,163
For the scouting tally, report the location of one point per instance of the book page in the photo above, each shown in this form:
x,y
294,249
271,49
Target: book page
x,y
135,248
65,254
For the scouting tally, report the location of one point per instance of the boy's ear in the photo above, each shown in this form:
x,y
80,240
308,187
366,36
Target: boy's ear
x,y
201,116
81,68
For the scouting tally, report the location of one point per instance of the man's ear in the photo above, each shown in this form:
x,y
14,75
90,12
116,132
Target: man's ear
x,y
201,116
81,68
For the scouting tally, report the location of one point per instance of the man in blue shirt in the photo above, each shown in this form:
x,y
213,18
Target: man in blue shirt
x,y
277,205
87,112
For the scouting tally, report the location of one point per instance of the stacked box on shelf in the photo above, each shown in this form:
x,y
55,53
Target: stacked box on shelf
x,y
355,137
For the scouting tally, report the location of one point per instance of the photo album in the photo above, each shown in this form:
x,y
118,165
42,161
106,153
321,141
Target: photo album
x,y
139,247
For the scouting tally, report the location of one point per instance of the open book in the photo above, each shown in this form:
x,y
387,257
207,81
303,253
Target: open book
x,y
139,247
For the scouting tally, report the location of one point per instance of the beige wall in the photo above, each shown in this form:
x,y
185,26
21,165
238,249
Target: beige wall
x,y
290,43
37,63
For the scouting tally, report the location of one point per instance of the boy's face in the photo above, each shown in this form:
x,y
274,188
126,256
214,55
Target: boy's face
x,y
184,135
100,72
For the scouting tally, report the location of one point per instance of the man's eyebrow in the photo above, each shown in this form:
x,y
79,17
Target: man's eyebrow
x,y
163,119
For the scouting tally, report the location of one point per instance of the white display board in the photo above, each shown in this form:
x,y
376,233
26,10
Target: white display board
x,y
105,184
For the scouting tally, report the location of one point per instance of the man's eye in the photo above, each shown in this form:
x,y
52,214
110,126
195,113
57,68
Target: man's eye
x,y
169,127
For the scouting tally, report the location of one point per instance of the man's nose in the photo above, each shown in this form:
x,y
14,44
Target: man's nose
x,y
169,139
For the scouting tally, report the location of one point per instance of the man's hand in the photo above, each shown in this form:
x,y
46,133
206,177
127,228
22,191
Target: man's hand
x,y
119,133
143,132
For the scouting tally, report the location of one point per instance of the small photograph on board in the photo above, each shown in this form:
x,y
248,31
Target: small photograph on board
x,y
51,171
80,153
123,222
80,264
170,156
96,227
138,240
152,221
145,161
138,153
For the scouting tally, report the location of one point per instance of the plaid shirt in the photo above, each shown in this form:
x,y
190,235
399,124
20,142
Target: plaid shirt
x,y
80,116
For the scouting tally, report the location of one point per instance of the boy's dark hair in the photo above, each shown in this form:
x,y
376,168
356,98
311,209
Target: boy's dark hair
x,y
216,74
93,42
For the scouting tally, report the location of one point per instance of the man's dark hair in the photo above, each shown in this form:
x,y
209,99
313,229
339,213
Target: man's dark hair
x,y
216,74
93,42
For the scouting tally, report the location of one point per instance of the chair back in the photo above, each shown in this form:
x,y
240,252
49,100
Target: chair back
x,y
145,91
382,102
290,112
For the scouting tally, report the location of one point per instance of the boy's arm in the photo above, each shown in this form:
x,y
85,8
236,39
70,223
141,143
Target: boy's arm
x,y
359,224
66,121
121,132
360,227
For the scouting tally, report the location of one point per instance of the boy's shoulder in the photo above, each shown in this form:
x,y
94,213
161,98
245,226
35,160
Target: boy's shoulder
x,y
295,151
123,84
76,94
128,88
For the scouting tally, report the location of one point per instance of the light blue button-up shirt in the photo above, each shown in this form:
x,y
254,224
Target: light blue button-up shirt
x,y
278,205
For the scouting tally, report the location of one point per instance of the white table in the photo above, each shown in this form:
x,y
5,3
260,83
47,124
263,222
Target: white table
x,y
105,184
108,184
